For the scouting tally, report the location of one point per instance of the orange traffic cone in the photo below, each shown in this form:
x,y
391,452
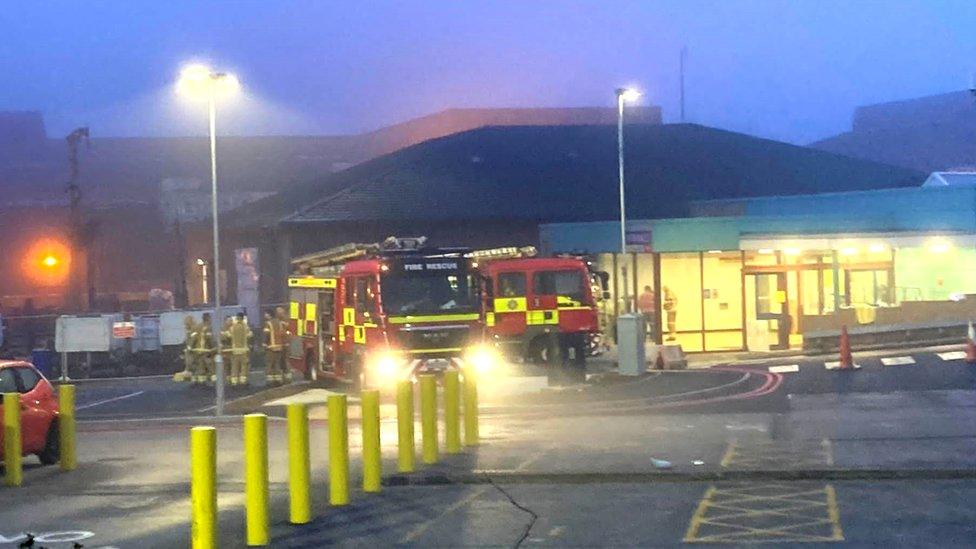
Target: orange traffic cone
x,y
971,344
846,359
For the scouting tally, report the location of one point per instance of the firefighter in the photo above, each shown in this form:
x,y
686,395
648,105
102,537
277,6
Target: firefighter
x,y
203,351
285,333
275,335
240,365
189,364
225,347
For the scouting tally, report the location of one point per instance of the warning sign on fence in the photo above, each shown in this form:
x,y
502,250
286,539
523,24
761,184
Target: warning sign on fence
x,y
123,330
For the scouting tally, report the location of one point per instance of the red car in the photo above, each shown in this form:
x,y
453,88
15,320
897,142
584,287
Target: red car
x,y
38,410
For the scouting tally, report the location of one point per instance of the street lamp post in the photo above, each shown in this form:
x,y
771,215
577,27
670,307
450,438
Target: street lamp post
x,y
198,80
623,95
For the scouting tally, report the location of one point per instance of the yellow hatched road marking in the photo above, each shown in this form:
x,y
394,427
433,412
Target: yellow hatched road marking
x,y
834,512
729,453
763,512
696,519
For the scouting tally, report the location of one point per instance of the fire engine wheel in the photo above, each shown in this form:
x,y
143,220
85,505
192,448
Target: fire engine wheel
x,y
544,350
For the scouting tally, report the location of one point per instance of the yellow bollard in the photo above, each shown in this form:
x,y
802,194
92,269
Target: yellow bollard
x,y
256,478
11,440
372,467
203,487
299,464
470,408
452,412
66,427
338,451
405,448
428,417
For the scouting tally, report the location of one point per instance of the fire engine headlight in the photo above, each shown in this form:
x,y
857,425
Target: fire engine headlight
x,y
484,358
385,365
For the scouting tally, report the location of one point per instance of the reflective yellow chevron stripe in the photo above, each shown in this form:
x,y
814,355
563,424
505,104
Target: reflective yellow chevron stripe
x,y
490,319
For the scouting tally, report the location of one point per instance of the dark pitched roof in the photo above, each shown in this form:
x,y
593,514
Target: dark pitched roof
x,y
930,133
550,174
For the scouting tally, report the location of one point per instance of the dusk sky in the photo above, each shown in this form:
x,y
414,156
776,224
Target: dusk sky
x,y
789,70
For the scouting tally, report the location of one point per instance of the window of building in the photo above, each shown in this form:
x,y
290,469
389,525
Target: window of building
x,y
680,300
722,300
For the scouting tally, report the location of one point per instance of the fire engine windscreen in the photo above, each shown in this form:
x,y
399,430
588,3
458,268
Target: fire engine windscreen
x,y
429,292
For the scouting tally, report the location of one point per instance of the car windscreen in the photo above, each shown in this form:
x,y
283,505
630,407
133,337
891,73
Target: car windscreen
x,y
429,293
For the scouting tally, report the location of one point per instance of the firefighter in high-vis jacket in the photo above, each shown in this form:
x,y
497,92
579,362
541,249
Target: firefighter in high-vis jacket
x,y
275,339
225,351
239,351
203,351
188,359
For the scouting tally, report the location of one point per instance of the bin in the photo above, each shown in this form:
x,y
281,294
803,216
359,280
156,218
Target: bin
x,y
631,333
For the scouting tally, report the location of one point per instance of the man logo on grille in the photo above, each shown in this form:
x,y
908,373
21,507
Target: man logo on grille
x,y
512,304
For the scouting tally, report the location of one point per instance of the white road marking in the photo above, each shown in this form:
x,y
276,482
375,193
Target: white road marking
x,y
952,355
107,400
784,369
311,396
897,361
835,365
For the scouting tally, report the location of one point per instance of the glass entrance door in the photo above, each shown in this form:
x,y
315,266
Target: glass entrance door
x,y
767,311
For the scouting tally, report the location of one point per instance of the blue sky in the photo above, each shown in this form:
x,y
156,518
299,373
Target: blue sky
x,y
789,70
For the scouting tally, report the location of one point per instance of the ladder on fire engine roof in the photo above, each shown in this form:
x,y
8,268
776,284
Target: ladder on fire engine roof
x,y
507,252
348,252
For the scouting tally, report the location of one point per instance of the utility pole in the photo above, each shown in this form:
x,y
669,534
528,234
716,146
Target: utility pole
x,y
82,231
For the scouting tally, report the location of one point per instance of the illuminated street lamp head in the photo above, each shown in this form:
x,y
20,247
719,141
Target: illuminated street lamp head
x,y
628,94
49,261
201,262
200,80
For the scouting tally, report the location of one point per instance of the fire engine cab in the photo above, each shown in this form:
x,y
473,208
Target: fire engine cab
x,y
541,309
373,314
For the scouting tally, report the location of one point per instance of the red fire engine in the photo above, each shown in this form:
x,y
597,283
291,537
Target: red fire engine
x,y
372,314
542,309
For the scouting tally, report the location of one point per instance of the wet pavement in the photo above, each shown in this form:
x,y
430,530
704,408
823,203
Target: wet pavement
x,y
884,455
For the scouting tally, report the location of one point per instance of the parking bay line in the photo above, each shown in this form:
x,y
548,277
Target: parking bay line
x,y
897,361
108,400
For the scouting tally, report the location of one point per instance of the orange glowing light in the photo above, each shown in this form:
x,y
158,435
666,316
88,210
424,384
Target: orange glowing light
x,y
47,262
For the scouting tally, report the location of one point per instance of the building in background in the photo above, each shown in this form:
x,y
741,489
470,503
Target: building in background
x,y
188,199
789,271
494,186
120,179
931,133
